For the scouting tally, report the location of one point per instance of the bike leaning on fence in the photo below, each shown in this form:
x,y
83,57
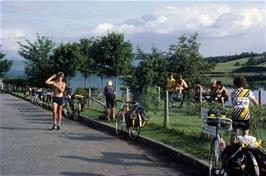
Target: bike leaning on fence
x,y
220,122
131,116
236,159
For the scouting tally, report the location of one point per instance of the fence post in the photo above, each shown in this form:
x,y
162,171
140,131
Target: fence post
x,y
89,101
159,96
259,97
127,94
166,111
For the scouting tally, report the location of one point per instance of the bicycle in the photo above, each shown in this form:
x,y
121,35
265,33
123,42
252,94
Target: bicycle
x,y
248,165
220,122
133,119
219,162
77,105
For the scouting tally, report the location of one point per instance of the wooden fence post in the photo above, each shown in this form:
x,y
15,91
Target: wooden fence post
x,y
260,97
159,96
166,111
89,101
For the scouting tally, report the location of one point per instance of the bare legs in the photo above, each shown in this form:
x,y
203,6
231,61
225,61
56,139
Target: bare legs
x,y
54,112
60,107
57,110
111,113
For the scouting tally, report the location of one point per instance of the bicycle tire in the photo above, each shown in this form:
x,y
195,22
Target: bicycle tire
x,y
214,157
254,168
134,128
120,122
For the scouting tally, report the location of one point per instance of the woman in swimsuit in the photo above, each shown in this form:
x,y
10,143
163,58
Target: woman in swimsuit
x,y
56,81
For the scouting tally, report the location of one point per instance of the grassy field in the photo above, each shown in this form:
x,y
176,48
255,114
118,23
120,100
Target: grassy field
x,y
229,67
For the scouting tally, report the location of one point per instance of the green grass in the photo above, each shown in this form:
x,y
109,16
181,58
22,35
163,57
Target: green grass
x,y
229,67
183,132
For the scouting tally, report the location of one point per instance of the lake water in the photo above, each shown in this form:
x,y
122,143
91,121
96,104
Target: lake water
x,y
17,69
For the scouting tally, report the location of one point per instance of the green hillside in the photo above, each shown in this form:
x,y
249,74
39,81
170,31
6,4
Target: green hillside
x,y
230,67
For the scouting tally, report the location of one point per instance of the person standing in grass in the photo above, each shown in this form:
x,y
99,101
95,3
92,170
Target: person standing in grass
x,y
240,100
56,81
110,95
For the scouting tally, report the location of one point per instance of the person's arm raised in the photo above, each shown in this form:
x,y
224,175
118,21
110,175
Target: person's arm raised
x,y
49,80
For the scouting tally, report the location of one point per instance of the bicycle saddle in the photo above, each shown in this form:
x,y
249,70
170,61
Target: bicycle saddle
x,y
239,124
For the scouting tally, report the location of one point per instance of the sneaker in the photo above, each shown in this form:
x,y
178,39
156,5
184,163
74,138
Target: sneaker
x,y
58,127
53,127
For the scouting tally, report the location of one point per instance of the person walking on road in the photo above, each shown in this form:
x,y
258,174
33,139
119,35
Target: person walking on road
x,y
56,81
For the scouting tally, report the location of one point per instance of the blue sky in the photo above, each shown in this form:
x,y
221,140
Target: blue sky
x,y
224,27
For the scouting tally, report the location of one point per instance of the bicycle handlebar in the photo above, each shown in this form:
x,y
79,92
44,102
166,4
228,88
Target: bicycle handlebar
x,y
222,122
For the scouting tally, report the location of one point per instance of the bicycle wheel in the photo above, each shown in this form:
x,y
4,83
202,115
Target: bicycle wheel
x,y
66,110
77,111
120,122
134,126
214,154
252,165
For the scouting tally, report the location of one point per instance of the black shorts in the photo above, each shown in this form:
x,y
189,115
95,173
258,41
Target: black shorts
x,y
245,122
110,101
58,100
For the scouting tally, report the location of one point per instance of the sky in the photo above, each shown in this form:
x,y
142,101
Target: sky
x,y
224,27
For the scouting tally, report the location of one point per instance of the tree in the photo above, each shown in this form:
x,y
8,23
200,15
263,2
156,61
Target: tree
x,y
87,67
66,58
149,72
185,59
113,55
37,59
5,64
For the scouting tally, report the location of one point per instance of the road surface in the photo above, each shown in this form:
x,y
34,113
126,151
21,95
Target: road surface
x,y
29,147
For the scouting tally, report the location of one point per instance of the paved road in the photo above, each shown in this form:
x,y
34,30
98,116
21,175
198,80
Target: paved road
x,y
28,147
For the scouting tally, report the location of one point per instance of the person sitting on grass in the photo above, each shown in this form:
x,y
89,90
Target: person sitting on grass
x,y
240,100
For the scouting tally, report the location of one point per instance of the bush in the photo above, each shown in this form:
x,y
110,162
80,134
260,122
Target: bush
x,y
150,101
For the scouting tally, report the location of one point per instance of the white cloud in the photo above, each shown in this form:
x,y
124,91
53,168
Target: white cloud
x,y
13,34
10,38
212,20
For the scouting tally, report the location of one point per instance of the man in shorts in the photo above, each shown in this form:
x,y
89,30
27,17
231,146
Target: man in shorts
x,y
241,98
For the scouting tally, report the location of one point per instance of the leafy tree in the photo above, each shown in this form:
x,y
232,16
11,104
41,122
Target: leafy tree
x,y
37,55
185,59
66,58
148,73
87,67
5,64
113,55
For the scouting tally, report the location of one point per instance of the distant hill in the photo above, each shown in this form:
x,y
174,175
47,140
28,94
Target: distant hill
x,y
239,66
17,69
223,59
